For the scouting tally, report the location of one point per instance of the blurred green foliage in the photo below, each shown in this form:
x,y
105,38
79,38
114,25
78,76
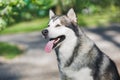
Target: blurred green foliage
x,y
12,11
9,51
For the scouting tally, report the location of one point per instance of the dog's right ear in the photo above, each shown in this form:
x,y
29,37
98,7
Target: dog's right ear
x,y
71,15
51,14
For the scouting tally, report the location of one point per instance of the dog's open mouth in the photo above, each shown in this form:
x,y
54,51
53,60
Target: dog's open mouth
x,y
53,42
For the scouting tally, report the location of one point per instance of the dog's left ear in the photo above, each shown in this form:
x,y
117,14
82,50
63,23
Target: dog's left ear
x,y
71,15
51,14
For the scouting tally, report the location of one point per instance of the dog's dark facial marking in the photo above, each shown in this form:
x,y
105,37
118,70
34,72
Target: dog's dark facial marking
x,y
58,25
72,25
74,28
54,18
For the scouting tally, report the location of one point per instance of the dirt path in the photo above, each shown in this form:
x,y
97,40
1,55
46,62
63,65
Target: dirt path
x,y
35,64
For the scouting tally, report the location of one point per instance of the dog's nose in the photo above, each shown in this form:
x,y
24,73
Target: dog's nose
x,y
45,32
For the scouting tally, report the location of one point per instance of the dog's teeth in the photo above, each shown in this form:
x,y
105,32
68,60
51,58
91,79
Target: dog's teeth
x,y
57,40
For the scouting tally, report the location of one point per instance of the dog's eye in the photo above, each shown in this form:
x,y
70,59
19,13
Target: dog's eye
x,y
48,25
57,25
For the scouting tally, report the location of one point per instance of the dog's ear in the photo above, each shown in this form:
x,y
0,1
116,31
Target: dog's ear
x,y
71,15
51,14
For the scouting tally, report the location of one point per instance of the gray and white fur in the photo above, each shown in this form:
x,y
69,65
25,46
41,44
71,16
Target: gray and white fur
x,y
78,56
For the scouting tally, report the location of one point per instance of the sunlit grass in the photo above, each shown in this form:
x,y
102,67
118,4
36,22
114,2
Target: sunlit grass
x,y
34,25
93,20
101,19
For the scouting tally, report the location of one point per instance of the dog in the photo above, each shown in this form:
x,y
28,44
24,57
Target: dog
x,y
78,56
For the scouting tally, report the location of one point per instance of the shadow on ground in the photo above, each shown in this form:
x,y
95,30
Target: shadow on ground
x,y
111,33
6,72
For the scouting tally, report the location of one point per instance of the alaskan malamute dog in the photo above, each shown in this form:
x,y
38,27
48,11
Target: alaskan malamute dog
x,y
78,57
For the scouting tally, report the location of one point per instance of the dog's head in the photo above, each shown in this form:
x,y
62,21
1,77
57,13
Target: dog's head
x,y
60,29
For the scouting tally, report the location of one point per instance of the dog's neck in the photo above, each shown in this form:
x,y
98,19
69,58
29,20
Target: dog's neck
x,y
65,51
68,49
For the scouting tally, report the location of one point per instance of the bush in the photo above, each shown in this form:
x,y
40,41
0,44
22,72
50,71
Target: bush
x,y
2,24
12,11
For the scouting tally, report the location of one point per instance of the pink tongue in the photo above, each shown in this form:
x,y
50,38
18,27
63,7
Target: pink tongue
x,y
49,46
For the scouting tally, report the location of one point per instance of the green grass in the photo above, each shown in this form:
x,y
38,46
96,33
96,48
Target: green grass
x,y
29,26
9,51
93,20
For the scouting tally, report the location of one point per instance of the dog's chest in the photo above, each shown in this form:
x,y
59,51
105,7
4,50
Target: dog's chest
x,y
82,74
